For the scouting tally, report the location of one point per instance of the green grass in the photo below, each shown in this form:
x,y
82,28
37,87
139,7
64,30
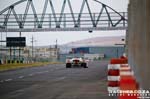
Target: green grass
x,y
17,66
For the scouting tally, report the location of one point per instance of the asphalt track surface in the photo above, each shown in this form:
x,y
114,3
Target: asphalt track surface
x,y
56,82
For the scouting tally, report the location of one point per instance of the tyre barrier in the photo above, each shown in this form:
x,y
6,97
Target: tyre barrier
x,y
113,77
128,82
119,61
121,78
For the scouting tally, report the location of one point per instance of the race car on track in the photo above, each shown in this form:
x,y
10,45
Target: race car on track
x,y
78,62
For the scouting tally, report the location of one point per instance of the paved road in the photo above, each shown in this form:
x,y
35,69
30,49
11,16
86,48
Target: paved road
x,y
55,82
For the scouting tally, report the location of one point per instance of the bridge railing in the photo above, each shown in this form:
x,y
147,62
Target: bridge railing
x,y
64,21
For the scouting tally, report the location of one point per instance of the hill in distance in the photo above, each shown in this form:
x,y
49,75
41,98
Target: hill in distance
x,y
98,41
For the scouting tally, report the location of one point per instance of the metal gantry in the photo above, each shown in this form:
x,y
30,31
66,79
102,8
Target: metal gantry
x,y
105,19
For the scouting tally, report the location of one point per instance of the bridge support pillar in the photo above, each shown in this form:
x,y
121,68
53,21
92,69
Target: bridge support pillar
x,y
138,40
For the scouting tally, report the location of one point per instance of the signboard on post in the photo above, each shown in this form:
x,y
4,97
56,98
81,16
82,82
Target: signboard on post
x,y
15,42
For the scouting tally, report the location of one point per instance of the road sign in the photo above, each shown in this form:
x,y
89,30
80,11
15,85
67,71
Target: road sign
x,y
15,41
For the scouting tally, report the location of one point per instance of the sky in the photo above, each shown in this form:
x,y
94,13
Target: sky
x,y
49,38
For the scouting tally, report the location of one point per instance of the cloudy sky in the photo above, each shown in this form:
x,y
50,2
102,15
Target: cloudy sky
x,y
47,38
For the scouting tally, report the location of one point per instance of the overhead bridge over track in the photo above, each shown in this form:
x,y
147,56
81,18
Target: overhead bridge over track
x,y
28,20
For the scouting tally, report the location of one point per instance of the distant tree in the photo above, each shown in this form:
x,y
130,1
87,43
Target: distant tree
x,y
99,58
95,58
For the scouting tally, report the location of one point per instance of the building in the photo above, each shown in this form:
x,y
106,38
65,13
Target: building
x,y
96,52
94,56
108,51
49,54
27,54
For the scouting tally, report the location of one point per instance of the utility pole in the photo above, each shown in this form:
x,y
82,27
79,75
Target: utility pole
x,y
56,44
1,47
32,41
19,47
32,47
1,39
50,51
56,49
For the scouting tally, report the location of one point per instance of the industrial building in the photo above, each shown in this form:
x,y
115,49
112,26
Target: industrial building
x,y
106,51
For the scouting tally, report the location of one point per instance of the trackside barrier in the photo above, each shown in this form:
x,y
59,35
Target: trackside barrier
x,y
127,83
125,70
118,61
121,77
114,73
113,77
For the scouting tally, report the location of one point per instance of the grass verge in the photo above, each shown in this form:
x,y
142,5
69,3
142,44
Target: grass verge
x,y
17,66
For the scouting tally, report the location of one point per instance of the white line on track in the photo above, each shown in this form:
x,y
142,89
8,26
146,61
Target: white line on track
x,y
8,80
42,72
1,81
59,79
39,72
31,74
20,77
46,71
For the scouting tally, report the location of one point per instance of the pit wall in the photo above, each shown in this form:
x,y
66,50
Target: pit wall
x,y
138,40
